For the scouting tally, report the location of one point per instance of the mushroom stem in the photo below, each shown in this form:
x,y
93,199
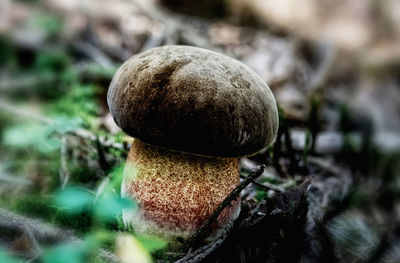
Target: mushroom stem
x,y
177,192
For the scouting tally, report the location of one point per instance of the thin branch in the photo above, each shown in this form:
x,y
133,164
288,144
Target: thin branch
x,y
202,232
94,53
324,165
64,172
266,186
28,114
204,251
40,231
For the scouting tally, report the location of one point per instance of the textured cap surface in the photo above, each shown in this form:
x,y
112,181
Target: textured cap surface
x,y
193,100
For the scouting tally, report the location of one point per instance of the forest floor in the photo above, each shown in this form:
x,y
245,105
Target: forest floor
x,y
328,189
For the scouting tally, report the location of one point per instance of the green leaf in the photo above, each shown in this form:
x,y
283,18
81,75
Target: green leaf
x,y
74,199
152,243
65,253
48,145
22,135
79,102
99,238
64,124
116,178
25,135
51,25
4,257
110,205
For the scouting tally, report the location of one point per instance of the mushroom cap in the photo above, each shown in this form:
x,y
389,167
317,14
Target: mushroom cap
x,y
193,100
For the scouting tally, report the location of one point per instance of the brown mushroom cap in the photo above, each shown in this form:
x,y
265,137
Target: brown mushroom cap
x,y
193,100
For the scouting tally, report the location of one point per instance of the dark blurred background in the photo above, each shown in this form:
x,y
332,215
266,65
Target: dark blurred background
x,y
333,66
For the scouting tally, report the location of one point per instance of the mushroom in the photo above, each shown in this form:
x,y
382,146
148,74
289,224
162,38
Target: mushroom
x,y
192,113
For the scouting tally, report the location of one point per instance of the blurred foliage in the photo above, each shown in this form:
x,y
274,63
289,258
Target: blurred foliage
x,y
67,91
51,25
39,136
76,252
77,105
74,200
4,257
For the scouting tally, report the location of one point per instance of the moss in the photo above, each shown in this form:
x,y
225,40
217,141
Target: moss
x,y
261,195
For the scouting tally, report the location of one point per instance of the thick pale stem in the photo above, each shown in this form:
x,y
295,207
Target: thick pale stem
x,y
176,191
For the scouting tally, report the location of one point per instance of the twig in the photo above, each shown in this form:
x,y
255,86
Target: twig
x,y
24,113
203,252
252,226
187,255
117,52
266,186
202,232
94,53
324,165
40,231
64,172
154,40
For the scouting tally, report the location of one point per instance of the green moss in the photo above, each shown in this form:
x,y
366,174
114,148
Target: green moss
x,y
261,195
80,102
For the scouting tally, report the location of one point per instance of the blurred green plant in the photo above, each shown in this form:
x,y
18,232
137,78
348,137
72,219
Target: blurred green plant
x,y
152,243
66,253
79,251
74,199
7,54
105,206
6,258
41,137
78,103
51,61
51,25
